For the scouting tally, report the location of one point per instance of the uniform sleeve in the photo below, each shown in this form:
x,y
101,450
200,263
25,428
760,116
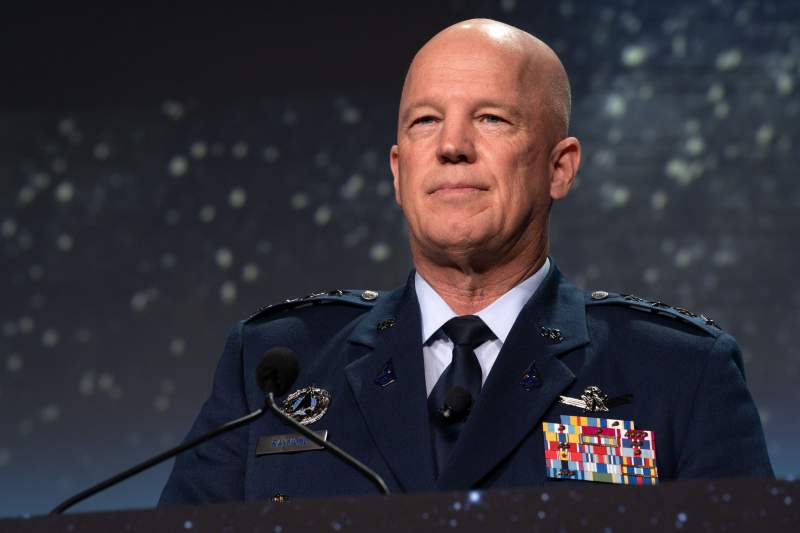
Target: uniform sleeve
x,y
214,470
723,435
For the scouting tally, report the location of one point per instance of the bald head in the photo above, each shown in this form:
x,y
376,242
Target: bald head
x,y
541,76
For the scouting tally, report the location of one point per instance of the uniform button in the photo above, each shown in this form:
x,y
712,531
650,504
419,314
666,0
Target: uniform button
x,y
369,295
599,295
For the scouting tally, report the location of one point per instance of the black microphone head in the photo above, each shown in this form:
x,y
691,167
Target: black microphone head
x,y
457,404
277,370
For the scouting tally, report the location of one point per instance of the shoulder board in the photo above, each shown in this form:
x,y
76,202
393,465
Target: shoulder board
x,y
358,297
654,306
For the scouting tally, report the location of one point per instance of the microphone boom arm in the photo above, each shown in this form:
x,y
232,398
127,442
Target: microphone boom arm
x,y
335,450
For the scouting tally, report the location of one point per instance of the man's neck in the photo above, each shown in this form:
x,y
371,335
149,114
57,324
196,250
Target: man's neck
x,y
467,291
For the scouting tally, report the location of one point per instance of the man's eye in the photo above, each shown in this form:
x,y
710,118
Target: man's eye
x,y
492,119
424,120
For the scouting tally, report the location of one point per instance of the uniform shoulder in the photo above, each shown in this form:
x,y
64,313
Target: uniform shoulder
x,y
350,297
653,307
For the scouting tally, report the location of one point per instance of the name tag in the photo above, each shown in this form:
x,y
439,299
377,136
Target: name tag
x,y
288,443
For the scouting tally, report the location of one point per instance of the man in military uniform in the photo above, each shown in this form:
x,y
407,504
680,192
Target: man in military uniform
x,y
482,152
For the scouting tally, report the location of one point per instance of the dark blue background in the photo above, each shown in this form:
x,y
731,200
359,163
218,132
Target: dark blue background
x,y
166,171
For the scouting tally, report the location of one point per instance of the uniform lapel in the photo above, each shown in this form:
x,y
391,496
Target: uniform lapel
x,y
506,411
389,386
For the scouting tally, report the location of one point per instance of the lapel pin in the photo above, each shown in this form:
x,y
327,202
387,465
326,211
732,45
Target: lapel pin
x,y
307,405
530,378
595,400
386,324
551,333
386,375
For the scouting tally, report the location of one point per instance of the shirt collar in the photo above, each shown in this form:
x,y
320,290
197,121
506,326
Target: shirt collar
x,y
500,315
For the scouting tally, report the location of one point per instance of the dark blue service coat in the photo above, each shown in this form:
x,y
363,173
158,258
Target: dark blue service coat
x,y
684,373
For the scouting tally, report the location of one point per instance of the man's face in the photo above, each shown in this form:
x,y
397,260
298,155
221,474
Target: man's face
x,y
471,165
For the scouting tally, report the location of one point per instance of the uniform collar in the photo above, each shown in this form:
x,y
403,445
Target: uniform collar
x,y
500,315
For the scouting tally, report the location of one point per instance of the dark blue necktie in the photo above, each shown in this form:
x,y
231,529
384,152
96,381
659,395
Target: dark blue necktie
x,y
467,333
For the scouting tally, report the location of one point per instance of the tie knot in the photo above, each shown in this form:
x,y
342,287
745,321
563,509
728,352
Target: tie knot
x,y
468,331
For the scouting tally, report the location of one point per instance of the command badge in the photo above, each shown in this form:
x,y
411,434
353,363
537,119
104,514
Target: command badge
x,y
307,405
599,449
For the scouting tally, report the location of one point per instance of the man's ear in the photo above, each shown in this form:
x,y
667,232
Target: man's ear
x,y
393,164
565,158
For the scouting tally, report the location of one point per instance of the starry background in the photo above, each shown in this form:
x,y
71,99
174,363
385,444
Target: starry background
x,y
165,171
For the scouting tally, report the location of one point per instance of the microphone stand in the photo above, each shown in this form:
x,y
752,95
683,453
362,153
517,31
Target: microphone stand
x,y
228,426
160,458
338,452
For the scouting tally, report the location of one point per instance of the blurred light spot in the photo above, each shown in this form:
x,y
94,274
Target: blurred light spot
x,y
508,5
695,145
105,381
351,115
237,197
379,252
634,55
64,242
271,154
168,260
86,383
715,93
250,272
198,150
682,171
352,186
139,301
651,275
227,292
5,457
322,215
289,117
8,228
299,201
102,151
722,110
41,180
25,324
224,258
729,59
50,338
615,105
9,329
14,362
785,83
173,109
26,195
384,188
36,272
177,346
630,22
50,413
679,46
178,166
59,165
64,192
26,427
264,247
172,217
83,335
207,213
322,159
659,200
764,134
161,403
240,150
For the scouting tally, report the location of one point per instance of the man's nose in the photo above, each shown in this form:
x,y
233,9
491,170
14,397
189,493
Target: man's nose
x,y
455,142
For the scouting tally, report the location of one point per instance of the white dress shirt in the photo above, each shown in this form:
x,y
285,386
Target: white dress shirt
x,y
500,315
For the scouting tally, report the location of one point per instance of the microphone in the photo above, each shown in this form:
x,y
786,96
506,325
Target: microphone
x,y
277,370
457,405
276,373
